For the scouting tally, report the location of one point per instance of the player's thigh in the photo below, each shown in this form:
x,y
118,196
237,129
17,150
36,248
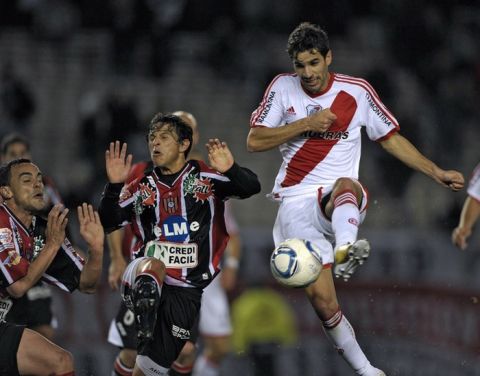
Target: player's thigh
x,y
38,356
296,218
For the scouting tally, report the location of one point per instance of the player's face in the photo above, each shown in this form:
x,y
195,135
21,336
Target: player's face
x,y
26,186
166,151
15,150
312,68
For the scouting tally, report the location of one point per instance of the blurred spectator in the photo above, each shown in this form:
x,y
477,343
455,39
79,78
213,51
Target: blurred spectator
x,y
16,100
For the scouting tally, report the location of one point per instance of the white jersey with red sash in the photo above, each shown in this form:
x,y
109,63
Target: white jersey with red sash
x,y
316,159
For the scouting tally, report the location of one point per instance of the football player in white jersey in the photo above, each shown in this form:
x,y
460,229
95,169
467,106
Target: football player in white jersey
x,y
315,118
470,212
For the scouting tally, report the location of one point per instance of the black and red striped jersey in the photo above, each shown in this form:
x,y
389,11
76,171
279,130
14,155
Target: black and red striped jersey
x,y
19,246
181,216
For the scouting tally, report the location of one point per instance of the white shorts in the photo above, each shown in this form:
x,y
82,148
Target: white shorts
x,y
301,217
214,311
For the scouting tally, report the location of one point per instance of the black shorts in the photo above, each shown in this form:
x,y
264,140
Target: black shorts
x,y
124,327
10,336
178,310
32,309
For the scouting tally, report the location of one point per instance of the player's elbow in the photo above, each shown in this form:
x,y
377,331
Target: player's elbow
x,y
253,145
17,290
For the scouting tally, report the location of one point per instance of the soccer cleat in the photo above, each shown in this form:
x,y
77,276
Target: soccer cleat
x,y
146,301
349,257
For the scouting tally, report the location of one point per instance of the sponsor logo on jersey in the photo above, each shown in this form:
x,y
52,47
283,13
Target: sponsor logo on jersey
x,y
6,236
201,189
5,305
173,255
328,135
147,194
124,194
313,108
291,111
180,332
268,106
176,228
38,244
13,259
377,110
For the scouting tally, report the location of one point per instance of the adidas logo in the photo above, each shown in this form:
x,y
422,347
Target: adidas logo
x,y
291,110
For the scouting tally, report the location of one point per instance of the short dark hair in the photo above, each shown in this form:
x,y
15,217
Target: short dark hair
x,y
175,124
307,36
6,170
13,138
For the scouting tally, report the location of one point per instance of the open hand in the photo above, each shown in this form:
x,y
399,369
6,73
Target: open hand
x,y
219,155
56,225
91,228
117,162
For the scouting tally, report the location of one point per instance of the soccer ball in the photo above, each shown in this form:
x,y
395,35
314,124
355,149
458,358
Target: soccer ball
x,y
296,263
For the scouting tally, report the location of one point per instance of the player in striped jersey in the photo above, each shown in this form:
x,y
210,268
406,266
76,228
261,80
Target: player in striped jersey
x,y
177,214
33,248
315,117
470,211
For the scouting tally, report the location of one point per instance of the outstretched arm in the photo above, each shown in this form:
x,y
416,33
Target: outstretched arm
x,y
92,232
403,150
468,218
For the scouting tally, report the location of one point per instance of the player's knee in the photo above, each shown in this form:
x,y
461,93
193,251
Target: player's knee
x,y
187,355
152,264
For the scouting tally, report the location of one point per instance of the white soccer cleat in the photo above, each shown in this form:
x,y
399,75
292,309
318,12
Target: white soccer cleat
x,y
349,257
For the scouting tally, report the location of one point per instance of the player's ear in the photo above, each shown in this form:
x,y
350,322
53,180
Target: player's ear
x,y
184,145
329,57
6,192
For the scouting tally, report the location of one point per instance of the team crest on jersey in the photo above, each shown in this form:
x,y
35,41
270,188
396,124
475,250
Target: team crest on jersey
x,y
170,204
201,189
38,244
313,108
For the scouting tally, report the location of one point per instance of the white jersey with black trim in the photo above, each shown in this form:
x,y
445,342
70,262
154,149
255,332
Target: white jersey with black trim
x,y
474,184
315,159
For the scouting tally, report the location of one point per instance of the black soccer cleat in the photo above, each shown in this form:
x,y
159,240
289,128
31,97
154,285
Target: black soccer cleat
x,y
146,300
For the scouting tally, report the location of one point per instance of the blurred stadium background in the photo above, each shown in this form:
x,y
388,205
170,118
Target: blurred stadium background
x,y
77,74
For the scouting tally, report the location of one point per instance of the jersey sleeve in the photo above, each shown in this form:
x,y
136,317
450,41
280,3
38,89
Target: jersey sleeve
x,y
379,121
65,269
474,184
116,205
12,266
270,113
238,182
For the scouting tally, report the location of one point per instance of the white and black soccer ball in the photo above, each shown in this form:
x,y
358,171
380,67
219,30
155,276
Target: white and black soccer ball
x,y
296,263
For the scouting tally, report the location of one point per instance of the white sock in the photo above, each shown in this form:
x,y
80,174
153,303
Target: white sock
x,y
342,336
205,367
345,218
